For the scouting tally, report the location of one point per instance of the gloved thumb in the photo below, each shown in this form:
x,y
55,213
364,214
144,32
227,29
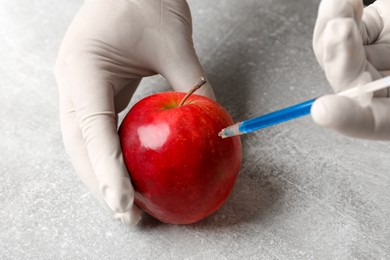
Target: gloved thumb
x,y
350,118
182,68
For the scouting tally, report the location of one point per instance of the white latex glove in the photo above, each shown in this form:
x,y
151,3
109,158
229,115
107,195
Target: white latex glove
x,y
352,45
108,48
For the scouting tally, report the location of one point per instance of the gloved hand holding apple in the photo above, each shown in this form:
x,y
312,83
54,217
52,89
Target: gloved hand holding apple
x,y
108,48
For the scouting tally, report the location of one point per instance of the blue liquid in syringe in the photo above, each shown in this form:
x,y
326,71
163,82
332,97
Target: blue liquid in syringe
x,y
276,117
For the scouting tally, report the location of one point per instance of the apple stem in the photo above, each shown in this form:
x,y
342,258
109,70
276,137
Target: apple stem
x,y
194,88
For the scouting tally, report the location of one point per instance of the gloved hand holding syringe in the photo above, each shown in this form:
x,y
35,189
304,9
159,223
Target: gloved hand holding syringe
x,y
363,94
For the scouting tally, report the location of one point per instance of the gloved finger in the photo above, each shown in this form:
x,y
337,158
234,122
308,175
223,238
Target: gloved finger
x,y
183,70
75,148
131,217
178,61
350,118
344,59
92,96
376,34
378,54
96,117
328,11
372,24
383,9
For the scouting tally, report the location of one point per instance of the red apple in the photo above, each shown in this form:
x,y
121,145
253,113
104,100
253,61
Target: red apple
x,y
181,170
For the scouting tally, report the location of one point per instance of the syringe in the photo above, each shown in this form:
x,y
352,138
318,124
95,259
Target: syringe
x,y
298,110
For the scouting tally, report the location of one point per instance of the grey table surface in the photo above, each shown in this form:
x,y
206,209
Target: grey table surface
x,y
304,192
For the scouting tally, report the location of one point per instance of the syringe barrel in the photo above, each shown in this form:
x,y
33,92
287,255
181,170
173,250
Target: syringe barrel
x,y
276,117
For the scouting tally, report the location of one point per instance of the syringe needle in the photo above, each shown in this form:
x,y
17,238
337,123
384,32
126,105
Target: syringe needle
x,y
230,131
267,120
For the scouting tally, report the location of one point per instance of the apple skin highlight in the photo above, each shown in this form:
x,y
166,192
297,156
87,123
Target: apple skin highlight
x,y
181,170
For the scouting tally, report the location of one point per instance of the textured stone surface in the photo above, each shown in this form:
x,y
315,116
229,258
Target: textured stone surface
x,y
303,193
